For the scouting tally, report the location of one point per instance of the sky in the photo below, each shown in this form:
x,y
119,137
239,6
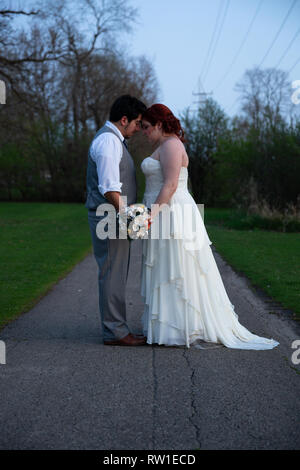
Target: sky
x,y
207,45
176,35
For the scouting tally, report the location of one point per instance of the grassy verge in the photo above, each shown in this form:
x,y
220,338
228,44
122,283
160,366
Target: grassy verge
x,y
240,220
271,260
40,243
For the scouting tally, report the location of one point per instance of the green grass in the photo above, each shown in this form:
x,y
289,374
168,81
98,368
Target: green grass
x,y
40,243
271,260
240,220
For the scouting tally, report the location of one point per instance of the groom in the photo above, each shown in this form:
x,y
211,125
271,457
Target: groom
x,y
110,172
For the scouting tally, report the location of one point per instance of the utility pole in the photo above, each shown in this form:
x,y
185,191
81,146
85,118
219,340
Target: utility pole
x,y
201,94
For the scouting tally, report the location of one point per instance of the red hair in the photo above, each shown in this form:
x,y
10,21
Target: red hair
x,y
161,113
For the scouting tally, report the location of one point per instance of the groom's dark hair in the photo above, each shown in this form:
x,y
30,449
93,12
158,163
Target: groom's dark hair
x,y
128,106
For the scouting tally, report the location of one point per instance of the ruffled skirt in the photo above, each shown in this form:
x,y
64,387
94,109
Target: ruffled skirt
x,y
185,298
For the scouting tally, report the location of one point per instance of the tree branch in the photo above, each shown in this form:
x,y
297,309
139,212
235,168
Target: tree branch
x,y
18,12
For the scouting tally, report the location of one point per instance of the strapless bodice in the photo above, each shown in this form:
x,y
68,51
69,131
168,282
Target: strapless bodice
x,y
154,177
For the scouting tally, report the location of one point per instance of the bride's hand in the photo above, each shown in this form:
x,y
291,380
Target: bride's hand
x,y
155,208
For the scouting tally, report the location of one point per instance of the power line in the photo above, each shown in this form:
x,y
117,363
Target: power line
x,y
244,40
298,60
241,46
284,54
200,85
213,35
215,45
278,32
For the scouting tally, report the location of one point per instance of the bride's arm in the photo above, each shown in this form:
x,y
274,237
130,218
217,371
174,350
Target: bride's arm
x,y
170,155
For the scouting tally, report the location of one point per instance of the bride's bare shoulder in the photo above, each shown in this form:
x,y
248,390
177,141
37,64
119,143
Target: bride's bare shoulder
x,y
171,152
172,144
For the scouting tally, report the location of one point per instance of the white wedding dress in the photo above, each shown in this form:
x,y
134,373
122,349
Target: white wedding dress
x,y
185,299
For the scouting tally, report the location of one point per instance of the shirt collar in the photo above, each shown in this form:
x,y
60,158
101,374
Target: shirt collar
x,y
114,128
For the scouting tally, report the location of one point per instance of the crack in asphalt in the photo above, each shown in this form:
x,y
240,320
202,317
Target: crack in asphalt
x,y
193,405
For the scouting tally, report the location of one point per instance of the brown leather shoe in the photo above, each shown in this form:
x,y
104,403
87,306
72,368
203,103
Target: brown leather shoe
x,y
139,336
128,340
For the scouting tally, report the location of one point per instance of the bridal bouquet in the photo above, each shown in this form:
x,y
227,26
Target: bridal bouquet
x,y
135,219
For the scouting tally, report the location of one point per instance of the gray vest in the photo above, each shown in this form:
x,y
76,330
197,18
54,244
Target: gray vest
x,y
127,177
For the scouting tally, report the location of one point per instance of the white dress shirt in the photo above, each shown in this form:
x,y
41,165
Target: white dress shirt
x,y
107,151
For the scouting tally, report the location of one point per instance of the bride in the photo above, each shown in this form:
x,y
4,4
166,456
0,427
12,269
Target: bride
x,y
185,298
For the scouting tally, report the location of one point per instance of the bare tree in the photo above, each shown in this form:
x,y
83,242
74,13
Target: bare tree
x,y
265,96
64,70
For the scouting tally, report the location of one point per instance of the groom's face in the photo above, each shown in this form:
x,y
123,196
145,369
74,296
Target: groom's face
x,y
132,127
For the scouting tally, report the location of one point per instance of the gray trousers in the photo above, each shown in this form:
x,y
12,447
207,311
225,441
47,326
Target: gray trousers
x,y
113,258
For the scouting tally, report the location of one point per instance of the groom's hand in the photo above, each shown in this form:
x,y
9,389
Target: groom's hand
x,y
115,199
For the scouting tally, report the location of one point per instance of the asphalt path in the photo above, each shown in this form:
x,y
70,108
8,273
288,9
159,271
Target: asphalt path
x,y
61,388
